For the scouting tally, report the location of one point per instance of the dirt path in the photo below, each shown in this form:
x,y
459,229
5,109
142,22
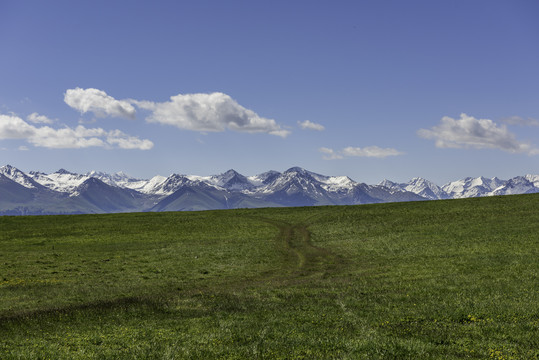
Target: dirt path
x,y
304,257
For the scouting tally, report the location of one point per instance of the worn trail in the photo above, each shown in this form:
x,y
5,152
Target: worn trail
x,y
303,256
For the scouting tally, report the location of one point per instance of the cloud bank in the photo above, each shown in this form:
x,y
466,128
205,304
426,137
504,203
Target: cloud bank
x,y
13,127
99,103
369,151
469,132
213,112
309,125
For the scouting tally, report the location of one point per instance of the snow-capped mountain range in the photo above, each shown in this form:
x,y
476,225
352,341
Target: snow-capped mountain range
x,y
64,192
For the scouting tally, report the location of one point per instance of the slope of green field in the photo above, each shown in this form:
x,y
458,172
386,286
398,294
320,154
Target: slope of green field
x,y
421,280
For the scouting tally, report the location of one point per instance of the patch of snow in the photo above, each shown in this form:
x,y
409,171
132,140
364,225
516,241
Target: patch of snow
x,y
62,180
18,176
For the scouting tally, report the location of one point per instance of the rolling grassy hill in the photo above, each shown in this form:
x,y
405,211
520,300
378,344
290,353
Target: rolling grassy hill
x,y
421,280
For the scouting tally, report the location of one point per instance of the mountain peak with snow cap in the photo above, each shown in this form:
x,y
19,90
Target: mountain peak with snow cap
x,y
425,188
63,171
233,180
18,176
296,169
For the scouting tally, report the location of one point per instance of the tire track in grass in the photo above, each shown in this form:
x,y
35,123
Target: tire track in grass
x,y
295,239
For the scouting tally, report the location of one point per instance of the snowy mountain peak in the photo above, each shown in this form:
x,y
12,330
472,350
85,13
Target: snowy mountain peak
x,y
472,187
264,178
94,173
232,180
230,172
119,179
517,185
64,172
390,185
18,176
159,185
387,183
425,188
61,181
7,168
533,179
296,169
230,175
419,181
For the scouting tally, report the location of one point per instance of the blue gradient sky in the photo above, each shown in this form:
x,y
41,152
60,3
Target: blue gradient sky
x,y
372,73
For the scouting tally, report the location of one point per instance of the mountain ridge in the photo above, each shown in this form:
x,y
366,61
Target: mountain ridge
x,y
65,192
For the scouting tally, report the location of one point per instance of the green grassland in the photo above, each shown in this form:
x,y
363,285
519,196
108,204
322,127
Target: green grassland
x,y
456,279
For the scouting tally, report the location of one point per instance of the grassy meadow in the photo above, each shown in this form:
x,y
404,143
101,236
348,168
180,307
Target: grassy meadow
x,y
456,279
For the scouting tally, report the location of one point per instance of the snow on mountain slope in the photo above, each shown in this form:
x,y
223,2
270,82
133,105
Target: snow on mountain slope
x,y
292,180
328,183
418,186
147,186
61,180
122,180
264,178
18,176
472,187
293,187
391,185
425,188
119,179
534,179
230,180
158,186
335,183
516,185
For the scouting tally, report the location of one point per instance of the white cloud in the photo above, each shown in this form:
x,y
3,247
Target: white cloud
x,y
68,138
13,127
23,148
369,151
469,132
330,154
99,103
213,112
39,119
124,141
517,120
309,125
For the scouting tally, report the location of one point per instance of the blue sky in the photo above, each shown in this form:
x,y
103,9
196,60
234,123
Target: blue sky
x,y
368,89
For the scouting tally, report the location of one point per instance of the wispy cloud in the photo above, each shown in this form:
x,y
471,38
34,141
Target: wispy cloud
x,y
369,151
469,132
517,120
98,102
13,127
213,112
309,125
39,119
330,154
